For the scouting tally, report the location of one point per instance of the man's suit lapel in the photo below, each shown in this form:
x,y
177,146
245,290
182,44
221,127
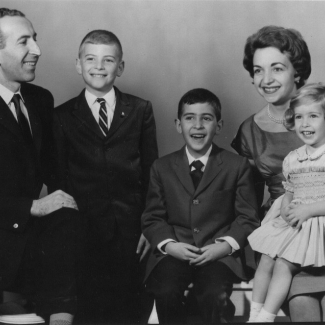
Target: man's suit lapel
x,y
84,114
8,120
182,170
211,170
121,113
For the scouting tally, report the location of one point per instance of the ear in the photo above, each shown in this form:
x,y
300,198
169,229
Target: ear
x,y
178,126
78,66
120,68
297,78
219,127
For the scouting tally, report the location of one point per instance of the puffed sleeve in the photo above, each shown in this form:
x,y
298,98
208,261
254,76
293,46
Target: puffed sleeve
x,y
287,184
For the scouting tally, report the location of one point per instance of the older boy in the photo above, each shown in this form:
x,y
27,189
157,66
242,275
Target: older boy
x,y
200,209
107,142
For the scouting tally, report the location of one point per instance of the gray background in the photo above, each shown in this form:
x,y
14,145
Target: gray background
x,y
169,48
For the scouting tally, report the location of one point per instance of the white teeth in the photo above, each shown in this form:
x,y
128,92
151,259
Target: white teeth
x,y
307,133
271,90
198,136
98,75
30,63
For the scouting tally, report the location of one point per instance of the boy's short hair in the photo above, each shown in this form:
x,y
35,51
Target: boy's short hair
x,y
200,95
288,41
8,12
101,36
309,94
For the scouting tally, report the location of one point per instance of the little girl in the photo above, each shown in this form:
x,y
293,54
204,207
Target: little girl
x,y
292,237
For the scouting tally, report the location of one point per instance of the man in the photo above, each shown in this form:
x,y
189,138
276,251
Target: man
x,y
37,236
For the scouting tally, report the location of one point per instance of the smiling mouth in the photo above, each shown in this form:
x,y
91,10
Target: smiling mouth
x,y
98,75
198,136
306,133
270,90
30,63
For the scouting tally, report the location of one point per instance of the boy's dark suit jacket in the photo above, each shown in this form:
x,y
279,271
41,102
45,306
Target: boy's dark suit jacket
x,y
224,204
108,177
23,170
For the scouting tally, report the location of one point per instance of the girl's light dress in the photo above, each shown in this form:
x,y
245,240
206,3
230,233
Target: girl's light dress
x,y
305,178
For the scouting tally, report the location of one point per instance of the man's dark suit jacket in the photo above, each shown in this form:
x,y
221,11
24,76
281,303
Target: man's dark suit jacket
x,y
223,204
108,177
23,170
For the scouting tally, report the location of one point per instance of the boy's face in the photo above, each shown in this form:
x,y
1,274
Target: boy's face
x,y
99,65
198,125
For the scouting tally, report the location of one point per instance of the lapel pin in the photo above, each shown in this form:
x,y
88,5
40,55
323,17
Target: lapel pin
x,y
122,114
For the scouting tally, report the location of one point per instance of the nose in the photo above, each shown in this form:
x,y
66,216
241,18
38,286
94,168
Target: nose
x,y
35,49
305,121
99,64
198,123
268,77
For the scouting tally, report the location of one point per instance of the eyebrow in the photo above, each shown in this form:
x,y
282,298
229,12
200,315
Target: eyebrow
x,y
272,64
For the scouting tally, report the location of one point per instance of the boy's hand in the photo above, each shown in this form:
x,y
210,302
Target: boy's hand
x,y
143,246
211,253
182,251
298,213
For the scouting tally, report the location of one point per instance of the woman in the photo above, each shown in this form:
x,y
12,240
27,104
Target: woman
x,y
278,60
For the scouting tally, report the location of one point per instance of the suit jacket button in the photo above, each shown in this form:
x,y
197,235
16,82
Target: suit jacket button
x,y
196,230
196,201
16,225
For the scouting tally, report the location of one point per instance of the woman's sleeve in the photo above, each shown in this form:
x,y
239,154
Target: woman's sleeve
x,y
240,144
287,184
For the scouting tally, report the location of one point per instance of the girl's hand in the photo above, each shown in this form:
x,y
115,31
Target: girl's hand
x,y
298,213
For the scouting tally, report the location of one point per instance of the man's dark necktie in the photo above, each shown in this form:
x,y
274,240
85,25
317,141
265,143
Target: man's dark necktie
x,y
22,120
103,116
197,173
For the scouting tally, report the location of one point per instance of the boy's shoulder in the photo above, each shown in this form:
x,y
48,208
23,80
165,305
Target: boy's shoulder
x,y
124,98
225,156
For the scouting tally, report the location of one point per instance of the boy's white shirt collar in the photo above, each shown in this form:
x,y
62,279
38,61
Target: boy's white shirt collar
x,y
109,98
203,159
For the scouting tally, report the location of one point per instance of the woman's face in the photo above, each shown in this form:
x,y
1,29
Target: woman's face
x,y
274,75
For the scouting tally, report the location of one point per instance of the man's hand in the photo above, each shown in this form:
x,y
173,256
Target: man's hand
x,y
143,246
51,203
298,213
212,253
182,251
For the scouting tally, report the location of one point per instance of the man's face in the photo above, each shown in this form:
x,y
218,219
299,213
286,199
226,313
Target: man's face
x,y
19,57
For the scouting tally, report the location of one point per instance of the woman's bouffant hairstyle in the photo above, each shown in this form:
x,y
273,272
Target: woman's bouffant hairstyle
x,y
288,41
309,94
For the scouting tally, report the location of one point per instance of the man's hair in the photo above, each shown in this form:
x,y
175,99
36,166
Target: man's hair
x,y
101,36
309,94
8,12
200,95
288,41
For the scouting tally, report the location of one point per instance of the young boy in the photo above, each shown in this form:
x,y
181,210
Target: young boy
x,y
106,142
200,209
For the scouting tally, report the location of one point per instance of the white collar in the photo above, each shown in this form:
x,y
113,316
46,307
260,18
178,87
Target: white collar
x,y
303,155
203,159
7,94
109,98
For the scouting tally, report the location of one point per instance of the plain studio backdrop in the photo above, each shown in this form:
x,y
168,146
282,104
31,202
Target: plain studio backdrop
x,y
169,48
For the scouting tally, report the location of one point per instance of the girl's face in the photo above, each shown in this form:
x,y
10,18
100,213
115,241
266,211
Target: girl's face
x,y
274,75
310,125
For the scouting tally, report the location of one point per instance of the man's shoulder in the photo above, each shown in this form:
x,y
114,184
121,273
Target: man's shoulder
x,y
166,160
35,90
69,104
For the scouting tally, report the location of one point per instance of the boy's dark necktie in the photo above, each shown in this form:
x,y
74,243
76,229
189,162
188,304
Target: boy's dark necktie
x,y
197,173
103,116
22,120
